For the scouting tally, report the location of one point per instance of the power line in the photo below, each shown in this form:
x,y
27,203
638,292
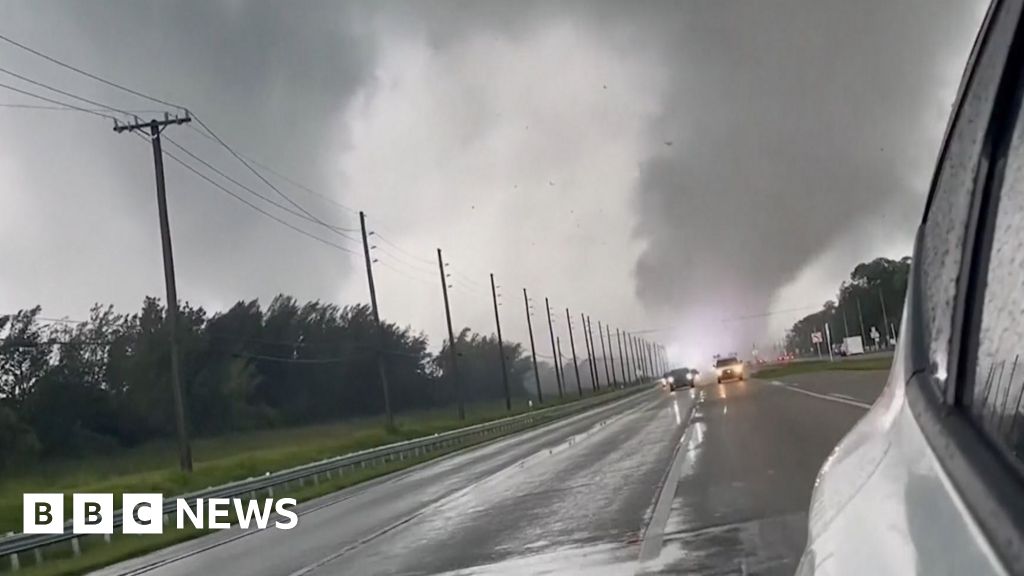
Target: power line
x,y
165,103
216,184
286,178
385,264
183,163
398,257
257,194
63,92
403,250
68,108
198,120
58,102
89,74
256,172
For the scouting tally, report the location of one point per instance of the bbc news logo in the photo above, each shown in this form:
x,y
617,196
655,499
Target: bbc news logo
x,y
143,513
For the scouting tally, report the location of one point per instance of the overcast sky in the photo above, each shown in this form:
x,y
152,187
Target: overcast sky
x,y
656,165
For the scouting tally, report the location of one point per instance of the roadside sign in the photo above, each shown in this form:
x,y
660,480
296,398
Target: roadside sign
x,y
816,337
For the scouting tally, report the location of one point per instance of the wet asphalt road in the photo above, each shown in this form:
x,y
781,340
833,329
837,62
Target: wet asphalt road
x,y
576,497
751,456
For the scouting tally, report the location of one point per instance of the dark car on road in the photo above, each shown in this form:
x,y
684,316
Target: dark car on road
x,y
681,378
729,368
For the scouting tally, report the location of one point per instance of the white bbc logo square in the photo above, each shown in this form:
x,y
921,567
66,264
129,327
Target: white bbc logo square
x,y
142,514
42,513
92,513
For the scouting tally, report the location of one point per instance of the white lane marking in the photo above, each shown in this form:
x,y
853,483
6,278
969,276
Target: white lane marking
x,y
829,397
650,546
838,395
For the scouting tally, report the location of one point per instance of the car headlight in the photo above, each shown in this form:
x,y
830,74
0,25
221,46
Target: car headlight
x,y
689,376
671,380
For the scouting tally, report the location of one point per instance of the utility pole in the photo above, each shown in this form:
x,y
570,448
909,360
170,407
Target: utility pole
x,y
646,357
593,346
596,379
637,358
631,367
604,355
381,370
558,367
533,349
828,340
631,351
860,313
650,355
611,353
451,337
590,354
572,344
846,327
180,418
640,358
597,371
501,347
622,359
885,317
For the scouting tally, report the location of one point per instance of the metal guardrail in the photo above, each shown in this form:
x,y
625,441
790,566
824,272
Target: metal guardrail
x,y
13,545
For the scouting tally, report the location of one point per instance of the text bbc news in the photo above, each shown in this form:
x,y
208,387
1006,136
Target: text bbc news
x,y
43,513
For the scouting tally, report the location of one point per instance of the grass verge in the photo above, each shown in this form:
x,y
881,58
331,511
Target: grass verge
x,y
882,363
218,460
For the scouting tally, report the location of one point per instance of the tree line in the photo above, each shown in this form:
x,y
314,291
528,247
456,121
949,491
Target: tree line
x,y
871,298
72,388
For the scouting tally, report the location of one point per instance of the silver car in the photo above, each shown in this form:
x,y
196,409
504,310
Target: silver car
x,y
931,480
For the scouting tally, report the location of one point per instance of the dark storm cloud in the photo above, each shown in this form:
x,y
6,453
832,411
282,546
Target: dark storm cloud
x,y
734,143
792,124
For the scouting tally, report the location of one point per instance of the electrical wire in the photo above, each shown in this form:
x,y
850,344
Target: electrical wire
x,y
254,171
152,99
402,250
286,178
410,263
67,109
63,92
403,273
89,74
58,102
216,184
295,213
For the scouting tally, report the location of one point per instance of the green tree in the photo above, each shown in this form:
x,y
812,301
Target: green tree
x,y
24,355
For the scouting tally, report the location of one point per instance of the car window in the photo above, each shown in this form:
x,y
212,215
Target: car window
x,y
726,362
944,231
998,391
